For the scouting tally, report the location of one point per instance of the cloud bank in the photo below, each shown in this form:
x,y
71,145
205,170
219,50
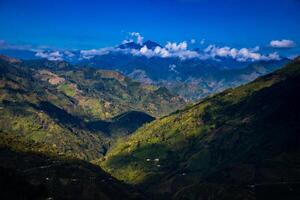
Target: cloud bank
x,y
282,44
171,49
180,50
53,56
242,55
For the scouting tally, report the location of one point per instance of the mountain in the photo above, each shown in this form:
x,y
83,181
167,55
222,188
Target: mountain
x,y
57,109
37,115
242,143
151,45
130,45
190,78
104,94
35,176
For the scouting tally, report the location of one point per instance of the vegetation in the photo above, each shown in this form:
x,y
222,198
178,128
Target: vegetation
x,y
239,144
191,78
242,143
103,94
75,113
67,89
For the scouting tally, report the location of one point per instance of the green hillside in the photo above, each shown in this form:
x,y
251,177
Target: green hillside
x,y
56,108
103,94
34,113
242,143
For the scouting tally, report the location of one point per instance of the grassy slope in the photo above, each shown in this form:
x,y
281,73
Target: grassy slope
x,y
218,147
32,113
48,118
103,94
119,94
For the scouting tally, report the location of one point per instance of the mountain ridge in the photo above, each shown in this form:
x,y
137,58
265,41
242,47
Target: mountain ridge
x,y
216,148
190,78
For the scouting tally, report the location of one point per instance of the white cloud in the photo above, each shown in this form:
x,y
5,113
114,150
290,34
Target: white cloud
x,y
174,47
187,54
138,36
127,41
282,44
69,54
53,56
87,54
144,51
180,50
193,41
147,52
162,52
242,55
170,50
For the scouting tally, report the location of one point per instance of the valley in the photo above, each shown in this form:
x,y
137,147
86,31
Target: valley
x,y
73,113
149,100
144,140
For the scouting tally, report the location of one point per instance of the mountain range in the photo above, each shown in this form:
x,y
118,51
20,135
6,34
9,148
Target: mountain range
x,y
96,133
56,108
242,143
191,78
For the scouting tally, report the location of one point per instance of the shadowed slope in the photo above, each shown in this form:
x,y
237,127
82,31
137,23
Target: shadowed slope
x,y
36,176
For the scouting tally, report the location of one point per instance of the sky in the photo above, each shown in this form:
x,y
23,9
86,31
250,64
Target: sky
x,y
88,24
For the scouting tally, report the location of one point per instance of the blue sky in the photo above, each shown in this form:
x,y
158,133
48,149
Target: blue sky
x,y
76,24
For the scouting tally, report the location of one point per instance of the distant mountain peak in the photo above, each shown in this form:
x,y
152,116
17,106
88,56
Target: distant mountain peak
x,y
151,45
130,45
